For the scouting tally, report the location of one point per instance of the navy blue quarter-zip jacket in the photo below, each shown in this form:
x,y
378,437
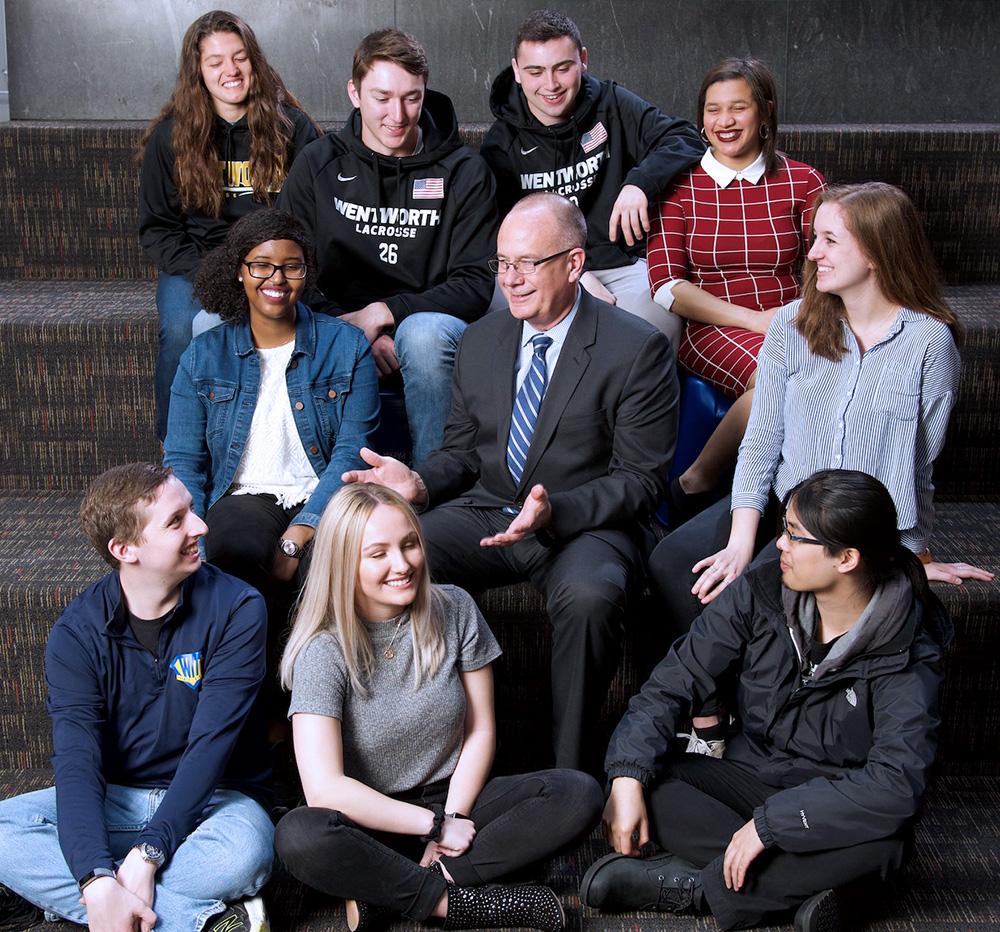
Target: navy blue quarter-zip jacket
x,y
176,720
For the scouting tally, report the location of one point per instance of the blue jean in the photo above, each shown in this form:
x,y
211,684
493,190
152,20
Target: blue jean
x,y
226,858
426,343
177,307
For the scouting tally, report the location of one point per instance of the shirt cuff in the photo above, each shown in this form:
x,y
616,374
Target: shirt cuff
x,y
665,293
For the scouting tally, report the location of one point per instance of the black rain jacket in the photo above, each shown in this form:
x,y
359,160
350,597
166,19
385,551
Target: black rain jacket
x,y
850,746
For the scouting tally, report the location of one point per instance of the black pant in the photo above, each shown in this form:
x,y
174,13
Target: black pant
x,y
585,582
520,820
242,539
694,812
706,533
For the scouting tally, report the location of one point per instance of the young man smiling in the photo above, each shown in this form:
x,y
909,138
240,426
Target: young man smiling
x,y
152,672
404,220
560,129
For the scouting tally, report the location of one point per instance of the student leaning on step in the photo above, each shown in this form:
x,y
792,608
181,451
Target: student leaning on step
x,y
160,767
219,148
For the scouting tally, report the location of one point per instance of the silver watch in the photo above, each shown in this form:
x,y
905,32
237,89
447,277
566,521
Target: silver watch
x,y
151,854
291,549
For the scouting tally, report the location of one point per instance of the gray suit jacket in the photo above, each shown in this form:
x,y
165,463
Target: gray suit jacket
x,y
605,433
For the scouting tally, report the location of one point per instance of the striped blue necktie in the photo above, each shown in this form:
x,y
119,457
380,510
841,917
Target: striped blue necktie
x,y
526,405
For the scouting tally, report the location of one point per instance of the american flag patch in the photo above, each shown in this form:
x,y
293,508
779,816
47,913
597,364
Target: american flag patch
x,y
594,138
428,189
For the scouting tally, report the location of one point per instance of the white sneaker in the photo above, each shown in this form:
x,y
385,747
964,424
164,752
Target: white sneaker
x,y
698,745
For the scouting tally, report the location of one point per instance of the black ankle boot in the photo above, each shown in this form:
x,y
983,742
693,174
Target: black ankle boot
x,y
366,917
664,882
499,907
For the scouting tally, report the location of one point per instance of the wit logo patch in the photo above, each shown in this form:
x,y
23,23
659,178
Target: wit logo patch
x,y
852,696
187,668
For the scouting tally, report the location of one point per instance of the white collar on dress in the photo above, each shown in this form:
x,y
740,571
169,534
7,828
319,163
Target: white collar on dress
x,y
722,175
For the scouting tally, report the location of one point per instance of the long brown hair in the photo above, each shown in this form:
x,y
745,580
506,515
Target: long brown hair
x,y
196,162
885,223
764,91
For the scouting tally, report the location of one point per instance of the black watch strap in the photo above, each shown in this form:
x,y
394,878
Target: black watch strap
x,y
94,875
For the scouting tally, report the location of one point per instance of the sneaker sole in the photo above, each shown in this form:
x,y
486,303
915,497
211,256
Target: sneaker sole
x,y
820,913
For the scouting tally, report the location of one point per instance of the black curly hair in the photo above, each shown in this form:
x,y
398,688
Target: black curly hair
x,y
217,283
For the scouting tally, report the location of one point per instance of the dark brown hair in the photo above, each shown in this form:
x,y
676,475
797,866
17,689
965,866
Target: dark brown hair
x,y
544,25
217,285
885,223
196,162
110,509
391,45
764,91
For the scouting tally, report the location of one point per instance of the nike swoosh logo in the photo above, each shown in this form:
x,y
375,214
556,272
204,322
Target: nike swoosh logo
x,y
341,177
528,151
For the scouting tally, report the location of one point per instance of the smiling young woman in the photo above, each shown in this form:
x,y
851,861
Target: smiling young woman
x,y
220,148
392,712
268,409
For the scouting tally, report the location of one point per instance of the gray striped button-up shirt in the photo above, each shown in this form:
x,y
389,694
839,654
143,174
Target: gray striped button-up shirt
x,y
884,413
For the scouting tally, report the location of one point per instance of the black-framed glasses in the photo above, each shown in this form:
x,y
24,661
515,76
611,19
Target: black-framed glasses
x,y
795,538
293,271
523,266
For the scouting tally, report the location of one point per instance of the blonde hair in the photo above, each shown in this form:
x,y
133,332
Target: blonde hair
x,y
885,223
328,599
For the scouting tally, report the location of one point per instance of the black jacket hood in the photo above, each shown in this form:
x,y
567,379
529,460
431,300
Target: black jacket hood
x,y
508,103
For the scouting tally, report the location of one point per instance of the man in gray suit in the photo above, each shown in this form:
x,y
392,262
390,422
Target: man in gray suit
x,y
561,431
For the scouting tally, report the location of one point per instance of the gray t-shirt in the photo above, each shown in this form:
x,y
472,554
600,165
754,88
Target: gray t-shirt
x,y
398,738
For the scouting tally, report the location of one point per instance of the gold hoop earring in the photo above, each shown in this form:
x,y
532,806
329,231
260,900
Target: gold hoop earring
x,y
704,137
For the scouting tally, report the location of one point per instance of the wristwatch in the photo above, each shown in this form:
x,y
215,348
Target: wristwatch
x,y
291,549
93,875
150,854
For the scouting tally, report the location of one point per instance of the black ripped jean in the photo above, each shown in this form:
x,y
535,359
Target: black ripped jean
x,y
520,820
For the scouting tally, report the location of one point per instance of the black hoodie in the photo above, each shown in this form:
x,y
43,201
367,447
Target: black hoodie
x,y
612,139
175,241
414,232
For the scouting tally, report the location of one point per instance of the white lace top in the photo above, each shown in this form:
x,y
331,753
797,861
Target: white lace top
x,y
274,460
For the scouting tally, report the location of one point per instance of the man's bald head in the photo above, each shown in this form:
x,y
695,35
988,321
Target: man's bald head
x,y
550,232
559,215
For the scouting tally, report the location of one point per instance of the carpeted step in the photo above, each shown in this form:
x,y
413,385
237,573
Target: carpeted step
x,y
76,363
45,562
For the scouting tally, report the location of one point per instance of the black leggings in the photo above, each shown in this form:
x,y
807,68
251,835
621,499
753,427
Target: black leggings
x,y
520,820
694,812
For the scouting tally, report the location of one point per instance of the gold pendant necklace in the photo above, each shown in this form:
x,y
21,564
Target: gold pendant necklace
x,y
390,652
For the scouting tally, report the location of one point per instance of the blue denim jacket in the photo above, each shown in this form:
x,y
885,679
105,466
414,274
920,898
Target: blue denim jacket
x,y
332,387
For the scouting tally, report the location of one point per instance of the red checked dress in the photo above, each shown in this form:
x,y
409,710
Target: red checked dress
x,y
743,243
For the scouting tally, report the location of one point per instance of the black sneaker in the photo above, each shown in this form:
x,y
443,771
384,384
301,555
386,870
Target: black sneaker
x,y
820,913
16,913
664,882
246,916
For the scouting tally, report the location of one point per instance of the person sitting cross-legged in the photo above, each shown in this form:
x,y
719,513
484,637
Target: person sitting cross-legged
x,y
160,766
834,655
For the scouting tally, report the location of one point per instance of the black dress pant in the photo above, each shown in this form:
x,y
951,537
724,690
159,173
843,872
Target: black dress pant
x,y
585,582
520,820
694,812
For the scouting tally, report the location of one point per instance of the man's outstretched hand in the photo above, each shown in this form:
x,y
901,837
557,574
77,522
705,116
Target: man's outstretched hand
x,y
535,514
392,474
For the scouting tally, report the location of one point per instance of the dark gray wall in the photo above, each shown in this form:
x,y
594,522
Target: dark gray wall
x,y
856,61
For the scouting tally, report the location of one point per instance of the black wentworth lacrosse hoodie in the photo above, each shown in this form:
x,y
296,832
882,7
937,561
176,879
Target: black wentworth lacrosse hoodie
x,y
414,232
